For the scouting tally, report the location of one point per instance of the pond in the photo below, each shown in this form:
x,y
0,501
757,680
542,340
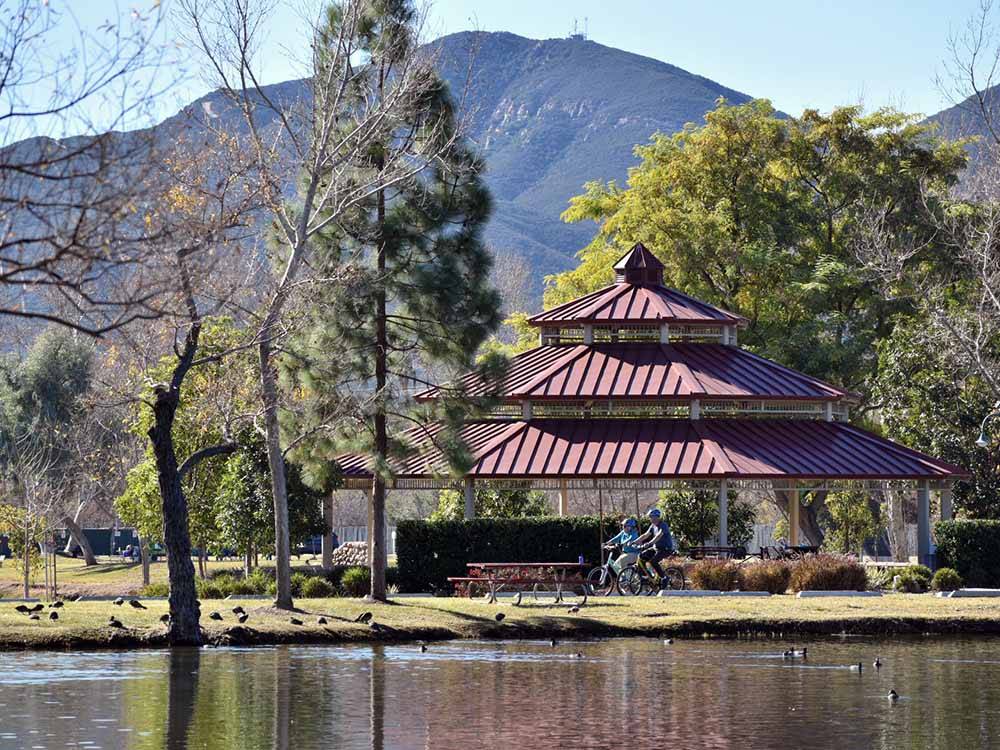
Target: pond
x,y
692,693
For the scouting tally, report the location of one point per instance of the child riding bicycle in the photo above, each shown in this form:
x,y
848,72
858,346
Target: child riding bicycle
x,y
626,540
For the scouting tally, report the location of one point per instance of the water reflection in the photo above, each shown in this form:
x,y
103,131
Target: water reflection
x,y
523,694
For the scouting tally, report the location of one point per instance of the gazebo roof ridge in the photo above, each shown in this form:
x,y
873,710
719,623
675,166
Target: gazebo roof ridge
x,y
638,297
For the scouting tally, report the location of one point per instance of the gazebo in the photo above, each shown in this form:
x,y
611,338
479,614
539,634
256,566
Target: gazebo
x,y
639,386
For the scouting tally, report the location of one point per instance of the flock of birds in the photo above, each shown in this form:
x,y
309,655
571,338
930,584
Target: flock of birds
x,y
803,653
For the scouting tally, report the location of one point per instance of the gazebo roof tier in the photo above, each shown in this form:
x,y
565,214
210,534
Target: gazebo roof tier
x,y
636,371
637,298
669,449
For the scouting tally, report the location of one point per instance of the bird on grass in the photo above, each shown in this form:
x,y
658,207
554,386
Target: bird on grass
x,y
215,616
893,696
375,627
499,616
33,617
238,610
23,609
295,621
877,663
364,617
56,604
573,610
321,621
243,618
115,623
165,619
53,615
118,602
136,604
37,608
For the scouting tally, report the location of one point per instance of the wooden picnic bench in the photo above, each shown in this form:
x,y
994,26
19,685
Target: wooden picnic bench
x,y
495,577
787,553
725,553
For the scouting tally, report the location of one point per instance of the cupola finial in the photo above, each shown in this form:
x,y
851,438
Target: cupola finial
x,y
639,266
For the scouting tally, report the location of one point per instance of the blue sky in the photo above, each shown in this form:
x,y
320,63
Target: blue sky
x,y
810,53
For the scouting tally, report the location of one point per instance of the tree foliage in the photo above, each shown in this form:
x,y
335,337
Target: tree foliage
x,y
492,503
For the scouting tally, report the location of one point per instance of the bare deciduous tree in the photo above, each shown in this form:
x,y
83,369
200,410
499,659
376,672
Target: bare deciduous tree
x,y
314,143
71,185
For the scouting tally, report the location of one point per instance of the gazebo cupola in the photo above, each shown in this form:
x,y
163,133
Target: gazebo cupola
x,y
637,307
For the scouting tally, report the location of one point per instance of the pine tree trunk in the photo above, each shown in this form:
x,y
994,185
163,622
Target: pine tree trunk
x,y
76,536
184,612
377,543
279,490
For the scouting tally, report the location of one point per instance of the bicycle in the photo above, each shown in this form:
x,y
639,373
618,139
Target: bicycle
x,y
639,578
603,580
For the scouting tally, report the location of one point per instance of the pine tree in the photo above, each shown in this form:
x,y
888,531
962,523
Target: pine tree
x,y
413,298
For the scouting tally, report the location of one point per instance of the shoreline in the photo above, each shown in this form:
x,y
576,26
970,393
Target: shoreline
x,y
83,625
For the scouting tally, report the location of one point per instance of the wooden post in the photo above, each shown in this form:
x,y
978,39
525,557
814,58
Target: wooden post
x,y
695,408
588,334
563,498
664,333
470,499
723,513
793,519
946,509
327,545
925,548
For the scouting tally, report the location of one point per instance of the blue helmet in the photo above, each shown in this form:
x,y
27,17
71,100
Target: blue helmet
x,y
654,513
629,523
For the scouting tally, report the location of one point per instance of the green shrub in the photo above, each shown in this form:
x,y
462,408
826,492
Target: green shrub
x,y
921,572
769,575
715,575
428,552
297,580
972,549
908,582
825,572
880,578
155,589
316,588
208,589
946,579
357,581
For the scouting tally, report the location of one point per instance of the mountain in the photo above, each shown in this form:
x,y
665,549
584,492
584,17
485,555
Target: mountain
x,y
551,115
970,119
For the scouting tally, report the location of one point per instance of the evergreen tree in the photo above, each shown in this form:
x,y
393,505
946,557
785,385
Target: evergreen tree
x,y
414,300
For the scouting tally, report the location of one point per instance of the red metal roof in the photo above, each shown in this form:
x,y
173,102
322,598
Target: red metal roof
x,y
634,304
762,449
639,266
651,370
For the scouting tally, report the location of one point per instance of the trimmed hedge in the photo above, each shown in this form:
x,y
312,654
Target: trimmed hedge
x,y
428,552
972,548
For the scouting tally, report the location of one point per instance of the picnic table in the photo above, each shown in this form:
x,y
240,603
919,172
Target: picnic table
x,y
495,577
725,553
788,552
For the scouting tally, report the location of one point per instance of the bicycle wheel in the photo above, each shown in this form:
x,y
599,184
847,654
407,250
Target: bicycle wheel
x,y
673,579
631,581
601,581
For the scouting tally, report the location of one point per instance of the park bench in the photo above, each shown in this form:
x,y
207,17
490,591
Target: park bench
x,y
724,553
787,553
492,578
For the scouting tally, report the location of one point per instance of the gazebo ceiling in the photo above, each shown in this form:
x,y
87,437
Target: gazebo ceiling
x,y
679,371
763,449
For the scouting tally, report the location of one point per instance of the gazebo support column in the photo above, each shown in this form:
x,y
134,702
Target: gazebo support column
x,y
470,499
563,498
327,545
793,518
946,497
723,513
924,545
371,525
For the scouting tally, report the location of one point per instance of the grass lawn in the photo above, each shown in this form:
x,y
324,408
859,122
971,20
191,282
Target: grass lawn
x,y
110,577
84,624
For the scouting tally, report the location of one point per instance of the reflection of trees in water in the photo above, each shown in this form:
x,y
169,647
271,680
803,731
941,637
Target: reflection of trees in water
x,y
182,695
376,693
